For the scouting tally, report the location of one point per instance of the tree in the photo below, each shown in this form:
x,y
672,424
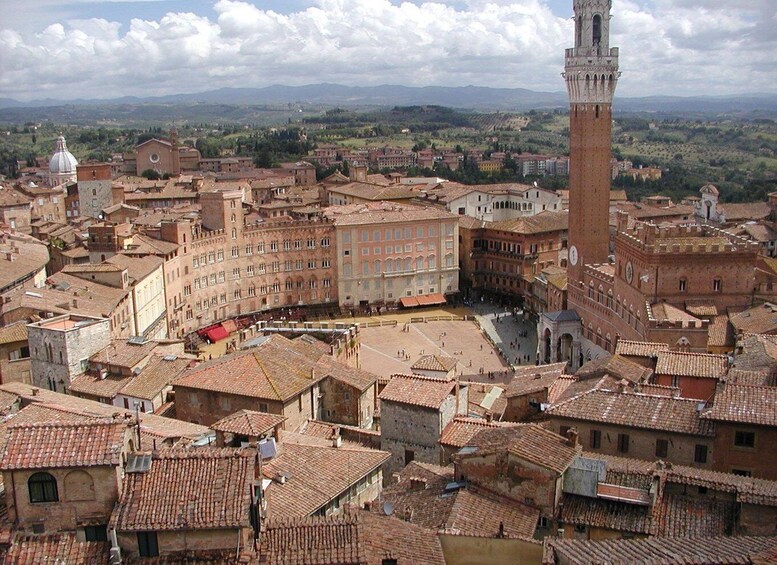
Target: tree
x,y
151,174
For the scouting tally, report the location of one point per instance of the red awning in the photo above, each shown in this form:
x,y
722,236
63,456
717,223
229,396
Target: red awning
x,y
430,299
217,334
229,325
408,301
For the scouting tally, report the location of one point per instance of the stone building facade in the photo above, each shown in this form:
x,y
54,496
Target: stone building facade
x,y
414,411
60,348
94,188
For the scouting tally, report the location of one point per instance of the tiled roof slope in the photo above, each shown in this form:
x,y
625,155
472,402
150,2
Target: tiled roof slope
x,y
263,372
745,404
63,444
609,514
150,424
248,423
639,348
158,373
461,430
657,551
529,442
615,366
313,541
353,538
691,364
479,513
56,548
635,410
205,488
435,363
416,390
304,492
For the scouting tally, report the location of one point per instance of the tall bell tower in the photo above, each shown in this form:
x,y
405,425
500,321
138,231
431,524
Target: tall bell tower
x,y
591,73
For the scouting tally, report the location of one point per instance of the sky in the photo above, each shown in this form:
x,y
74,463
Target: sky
x,y
68,49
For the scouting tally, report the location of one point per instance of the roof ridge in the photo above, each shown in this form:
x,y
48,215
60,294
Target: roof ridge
x,y
266,375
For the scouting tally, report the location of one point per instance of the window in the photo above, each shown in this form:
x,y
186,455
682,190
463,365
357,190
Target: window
x,y
273,246
744,439
409,456
683,285
623,443
96,533
43,488
662,447
700,454
596,439
325,242
147,544
716,285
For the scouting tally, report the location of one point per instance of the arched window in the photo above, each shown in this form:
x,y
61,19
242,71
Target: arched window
x,y
43,488
597,29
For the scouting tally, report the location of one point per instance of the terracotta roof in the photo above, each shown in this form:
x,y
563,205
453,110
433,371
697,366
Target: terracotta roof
x,y
384,212
683,364
425,496
124,353
665,312
337,469
275,370
204,488
745,211
757,320
616,366
532,379
357,378
702,308
634,410
13,333
656,551
330,540
480,514
559,387
720,332
157,374
353,538
529,442
151,425
762,377
31,257
11,197
485,399
63,444
686,516
416,390
639,348
461,430
7,400
138,268
441,363
56,548
91,384
374,192
543,222
248,423
609,514
745,404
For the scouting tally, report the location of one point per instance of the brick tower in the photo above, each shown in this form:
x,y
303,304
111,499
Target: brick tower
x,y
591,73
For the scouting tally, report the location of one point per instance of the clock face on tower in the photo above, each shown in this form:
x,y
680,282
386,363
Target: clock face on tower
x,y
629,272
573,255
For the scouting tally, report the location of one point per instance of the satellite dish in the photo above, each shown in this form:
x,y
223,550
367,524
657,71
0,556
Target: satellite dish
x,y
388,508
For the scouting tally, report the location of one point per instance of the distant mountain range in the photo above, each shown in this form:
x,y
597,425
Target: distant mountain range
x,y
465,97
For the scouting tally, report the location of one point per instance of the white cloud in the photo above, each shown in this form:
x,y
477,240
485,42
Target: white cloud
x,y
667,46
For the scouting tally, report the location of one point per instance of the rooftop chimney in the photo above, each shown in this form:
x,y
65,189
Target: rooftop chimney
x,y
572,437
417,483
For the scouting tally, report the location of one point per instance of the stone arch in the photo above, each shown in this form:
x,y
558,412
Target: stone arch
x,y
79,485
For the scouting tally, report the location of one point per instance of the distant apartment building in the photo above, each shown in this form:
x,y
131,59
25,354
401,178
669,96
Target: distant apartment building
x,y
387,251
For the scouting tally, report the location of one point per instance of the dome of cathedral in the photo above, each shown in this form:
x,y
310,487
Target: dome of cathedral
x,y
63,161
